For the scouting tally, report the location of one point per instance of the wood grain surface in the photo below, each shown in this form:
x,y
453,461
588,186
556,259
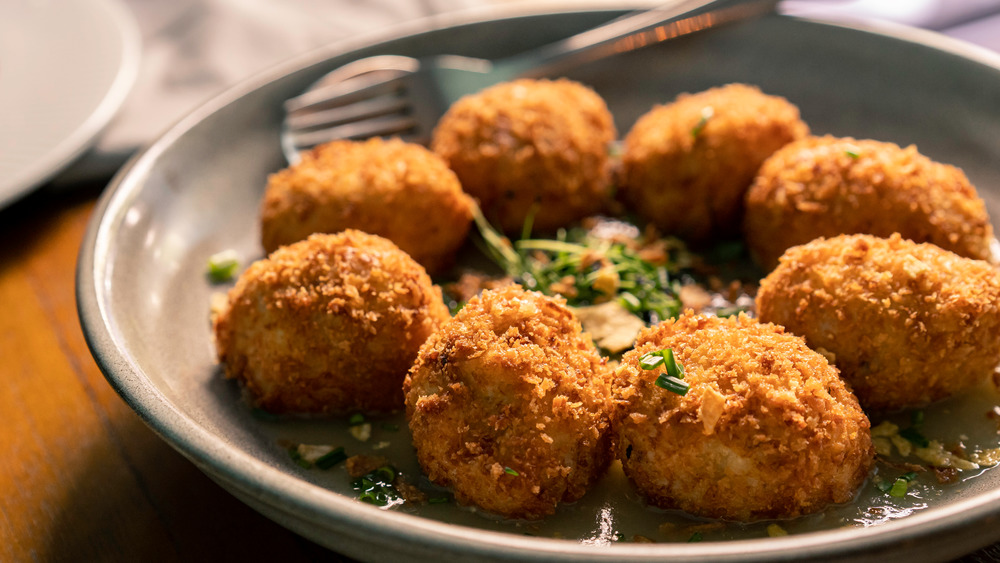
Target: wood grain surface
x,y
82,478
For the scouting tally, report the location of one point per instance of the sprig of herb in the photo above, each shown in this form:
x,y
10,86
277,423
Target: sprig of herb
x,y
510,471
672,379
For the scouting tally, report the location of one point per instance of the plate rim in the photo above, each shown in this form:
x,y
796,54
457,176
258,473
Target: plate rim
x,y
302,499
85,134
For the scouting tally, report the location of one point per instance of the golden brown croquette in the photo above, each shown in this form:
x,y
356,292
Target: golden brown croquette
x,y
397,190
530,146
766,430
330,324
826,186
687,165
510,404
906,323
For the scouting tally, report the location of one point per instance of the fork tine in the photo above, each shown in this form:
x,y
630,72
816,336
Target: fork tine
x,y
383,105
377,127
354,90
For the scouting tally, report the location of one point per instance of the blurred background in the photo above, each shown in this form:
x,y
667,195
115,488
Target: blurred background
x,y
84,85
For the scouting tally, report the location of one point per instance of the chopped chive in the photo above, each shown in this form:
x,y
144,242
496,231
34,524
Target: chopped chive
x,y
510,471
909,476
331,459
706,113
898,489
390,427
917,418
674,368
298,459
883,486
356,419
853,152
222,266
438,500
652,360
671,380
672,384
695,537
915,437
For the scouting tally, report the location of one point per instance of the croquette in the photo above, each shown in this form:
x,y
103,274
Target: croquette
x,y
826,186
905,323
397,190
766,429
686,166
328,325
530,147
510,404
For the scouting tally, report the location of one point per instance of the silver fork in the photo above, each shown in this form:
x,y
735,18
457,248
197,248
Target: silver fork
x,y
403,96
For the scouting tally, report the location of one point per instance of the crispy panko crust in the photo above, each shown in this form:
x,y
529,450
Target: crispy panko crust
x,y
528,142
688,173
511,382
397,190
766,430
907,323
826,186
330,324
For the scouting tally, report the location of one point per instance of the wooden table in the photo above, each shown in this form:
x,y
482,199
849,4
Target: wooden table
x,y
81,476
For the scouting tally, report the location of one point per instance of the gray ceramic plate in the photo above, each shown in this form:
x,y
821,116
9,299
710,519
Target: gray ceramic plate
x,y
144,300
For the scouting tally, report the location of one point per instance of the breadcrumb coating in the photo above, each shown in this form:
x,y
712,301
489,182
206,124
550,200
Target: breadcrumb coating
x,y
826,186
397,190
510,404
907,323
330,324
530,146
766,430
688,164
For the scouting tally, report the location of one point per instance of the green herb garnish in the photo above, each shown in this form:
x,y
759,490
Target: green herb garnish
x,y
853,152
695,537
296,456
331,459
510,471
377,487
222,266
587,269
706,113
671,380
913,433
356,419
899,487
438,500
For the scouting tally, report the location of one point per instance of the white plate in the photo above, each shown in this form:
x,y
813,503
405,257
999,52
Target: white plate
x,y
65,68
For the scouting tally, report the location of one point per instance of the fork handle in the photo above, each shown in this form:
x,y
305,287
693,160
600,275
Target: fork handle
x,y
629,32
